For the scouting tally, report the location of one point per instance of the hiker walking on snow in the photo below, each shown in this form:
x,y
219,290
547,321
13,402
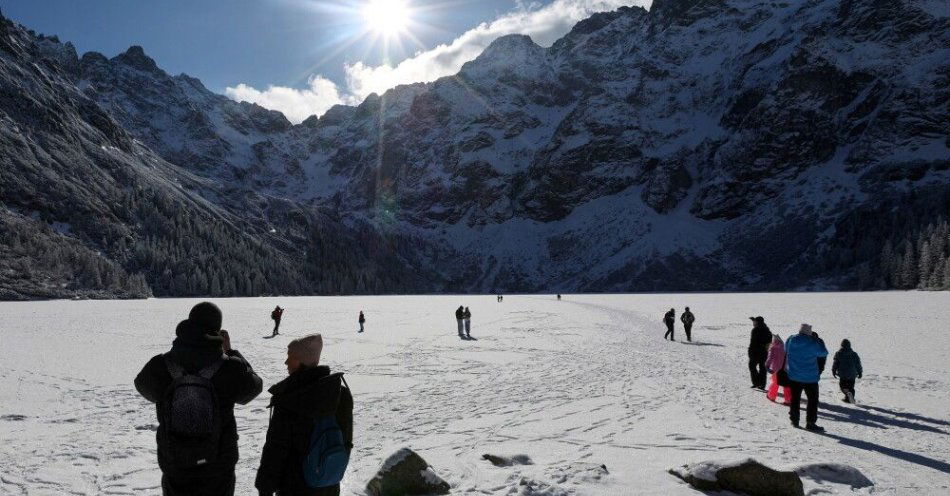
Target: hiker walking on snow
x,y
802,354
467,315
195,386
310,405
362,320
759,342
669,319
688,318
846,366
459,315
775,363
275,315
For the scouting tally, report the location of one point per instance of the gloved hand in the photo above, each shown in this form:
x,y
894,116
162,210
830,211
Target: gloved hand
x,y
834,374
860,376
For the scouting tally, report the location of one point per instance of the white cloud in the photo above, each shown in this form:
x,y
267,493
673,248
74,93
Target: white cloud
x,y
295,104
544,24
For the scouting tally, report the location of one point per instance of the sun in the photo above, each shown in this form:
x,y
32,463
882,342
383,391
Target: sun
x,y
387,17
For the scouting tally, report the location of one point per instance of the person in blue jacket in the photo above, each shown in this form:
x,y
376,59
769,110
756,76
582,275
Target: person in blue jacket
x,y
802,353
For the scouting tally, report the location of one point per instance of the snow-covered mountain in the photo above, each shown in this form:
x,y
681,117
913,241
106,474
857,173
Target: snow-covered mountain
x,y
700,145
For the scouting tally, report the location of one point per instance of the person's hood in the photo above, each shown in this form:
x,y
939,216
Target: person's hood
x,y
193,348
846,345
310,391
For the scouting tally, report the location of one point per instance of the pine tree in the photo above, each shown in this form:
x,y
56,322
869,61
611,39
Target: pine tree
x,y
924,265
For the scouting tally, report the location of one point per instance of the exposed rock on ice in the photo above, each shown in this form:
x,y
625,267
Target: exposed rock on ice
x,y
743,476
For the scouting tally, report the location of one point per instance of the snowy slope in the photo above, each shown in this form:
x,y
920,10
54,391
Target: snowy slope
x,y
571,384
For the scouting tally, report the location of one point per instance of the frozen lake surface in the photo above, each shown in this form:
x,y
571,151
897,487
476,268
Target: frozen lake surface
x,y
572,384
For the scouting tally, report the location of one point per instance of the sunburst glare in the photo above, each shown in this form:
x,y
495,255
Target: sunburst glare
x,y
387,17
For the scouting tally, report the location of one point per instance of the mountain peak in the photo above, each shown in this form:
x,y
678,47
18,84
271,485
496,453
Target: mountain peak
x,y
135,57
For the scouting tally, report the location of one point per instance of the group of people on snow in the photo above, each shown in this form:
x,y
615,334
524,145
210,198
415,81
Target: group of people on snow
x,y
796,365
670,320
195,387
464,318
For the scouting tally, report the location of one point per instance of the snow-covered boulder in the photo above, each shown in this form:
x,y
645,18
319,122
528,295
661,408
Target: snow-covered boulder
x,y
742,476
406,473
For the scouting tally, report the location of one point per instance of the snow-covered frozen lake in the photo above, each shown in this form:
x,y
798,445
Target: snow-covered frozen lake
x,y
572,384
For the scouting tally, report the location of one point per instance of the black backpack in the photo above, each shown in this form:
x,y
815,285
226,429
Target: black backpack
x,y
189,417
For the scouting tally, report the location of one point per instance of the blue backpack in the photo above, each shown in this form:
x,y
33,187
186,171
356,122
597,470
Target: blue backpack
x,y
327,457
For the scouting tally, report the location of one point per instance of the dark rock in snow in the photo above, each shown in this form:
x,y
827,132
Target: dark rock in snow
x,y
406,473
508,461
745,477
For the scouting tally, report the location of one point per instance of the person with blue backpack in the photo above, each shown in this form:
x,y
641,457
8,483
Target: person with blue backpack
x,y
310,435
195,387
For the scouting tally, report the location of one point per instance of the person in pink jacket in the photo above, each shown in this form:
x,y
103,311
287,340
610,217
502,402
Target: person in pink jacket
x,y
774,363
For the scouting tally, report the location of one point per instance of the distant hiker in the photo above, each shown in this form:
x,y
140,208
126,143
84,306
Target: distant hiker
x,y
846,366
310,434
467,315
775,363
559,297
459,315
362,320
802,352
759,342
688,318
195,386
498,297
275,315
669,319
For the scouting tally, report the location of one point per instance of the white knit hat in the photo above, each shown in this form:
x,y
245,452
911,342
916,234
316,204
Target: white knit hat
x,y
805,329
307,349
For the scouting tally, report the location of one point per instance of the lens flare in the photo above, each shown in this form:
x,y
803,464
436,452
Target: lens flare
x,y
387,17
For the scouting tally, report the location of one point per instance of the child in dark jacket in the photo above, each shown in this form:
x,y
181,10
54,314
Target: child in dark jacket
x,y
311,392
846,367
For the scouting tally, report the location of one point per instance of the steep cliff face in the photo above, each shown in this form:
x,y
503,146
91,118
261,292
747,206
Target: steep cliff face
x,y
699,145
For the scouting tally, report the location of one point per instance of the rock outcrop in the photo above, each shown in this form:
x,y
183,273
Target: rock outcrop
x,y
406,473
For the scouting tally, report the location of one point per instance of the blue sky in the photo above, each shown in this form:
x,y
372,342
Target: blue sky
x,y
299,56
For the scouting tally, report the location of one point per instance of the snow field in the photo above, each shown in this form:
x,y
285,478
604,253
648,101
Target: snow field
x,y
575,384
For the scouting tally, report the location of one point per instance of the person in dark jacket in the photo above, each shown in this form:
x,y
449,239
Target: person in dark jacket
x,y
276,315
362,320
310,392
688,318
199,343
846,366
459,317
670,320
759,342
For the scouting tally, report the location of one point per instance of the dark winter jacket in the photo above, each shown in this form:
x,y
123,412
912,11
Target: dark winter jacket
x,y
460,313
847,364
362,318
234,382
307,394
669,317
687,318
467,315
761,339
